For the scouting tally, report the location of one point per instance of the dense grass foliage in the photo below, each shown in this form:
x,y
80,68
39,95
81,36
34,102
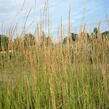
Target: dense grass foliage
x,y
74,75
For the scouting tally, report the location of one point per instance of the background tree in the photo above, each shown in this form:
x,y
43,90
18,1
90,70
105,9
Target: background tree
x,y
17,43
95,31
29,40
73,37
48,41
4,43
105,34
45,40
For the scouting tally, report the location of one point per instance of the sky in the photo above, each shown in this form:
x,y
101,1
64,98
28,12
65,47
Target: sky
x,y
88,12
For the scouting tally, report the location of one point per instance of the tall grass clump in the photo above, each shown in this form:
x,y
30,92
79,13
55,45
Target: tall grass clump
x,y
36,73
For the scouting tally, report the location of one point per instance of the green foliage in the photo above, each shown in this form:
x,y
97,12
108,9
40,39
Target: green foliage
x,y
73,37
29,40
95,31
4,42
106,34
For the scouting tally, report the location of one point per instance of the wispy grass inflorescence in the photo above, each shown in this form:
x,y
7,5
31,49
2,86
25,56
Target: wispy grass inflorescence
x,y
36,73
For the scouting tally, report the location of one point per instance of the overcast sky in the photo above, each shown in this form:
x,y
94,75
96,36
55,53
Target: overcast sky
x,y
82,11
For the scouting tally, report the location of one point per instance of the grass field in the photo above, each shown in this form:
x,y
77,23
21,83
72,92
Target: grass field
x,y
67,74
56,77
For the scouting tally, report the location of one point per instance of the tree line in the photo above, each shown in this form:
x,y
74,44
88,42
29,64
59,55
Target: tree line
x,y
29,39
